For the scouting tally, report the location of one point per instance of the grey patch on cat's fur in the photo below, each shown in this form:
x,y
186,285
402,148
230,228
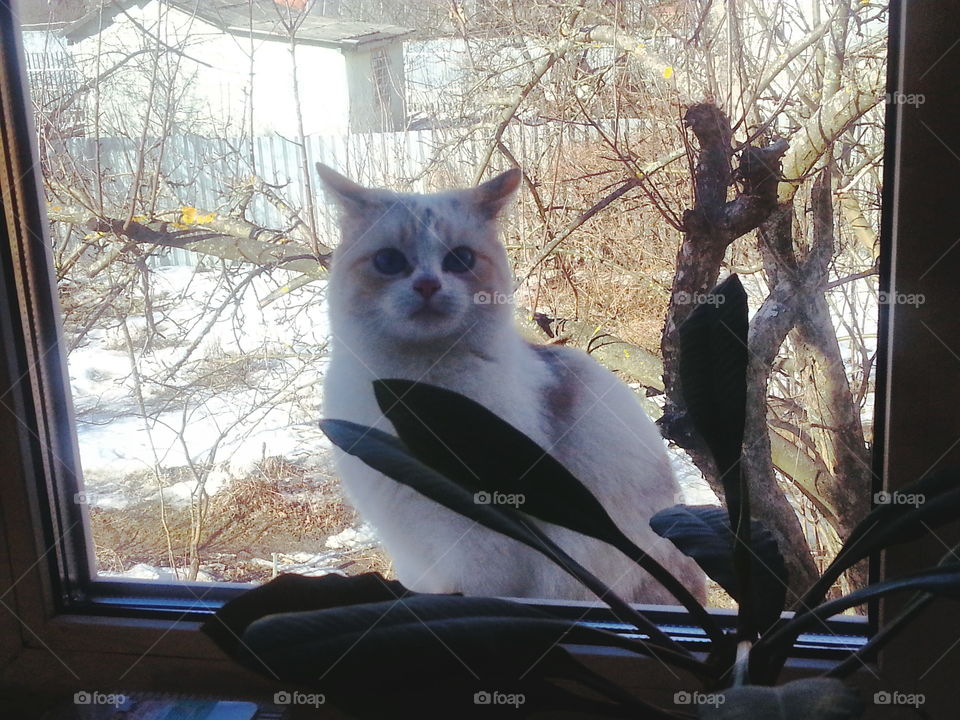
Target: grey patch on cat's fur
x,y
486,357
421,220
560,395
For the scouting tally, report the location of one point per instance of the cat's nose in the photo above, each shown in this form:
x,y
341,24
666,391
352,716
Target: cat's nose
x,y
426,286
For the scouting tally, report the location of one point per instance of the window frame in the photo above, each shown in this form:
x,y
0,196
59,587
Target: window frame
x,y
51,623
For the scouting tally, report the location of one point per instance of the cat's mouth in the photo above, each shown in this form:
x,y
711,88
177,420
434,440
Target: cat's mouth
x,y
428,312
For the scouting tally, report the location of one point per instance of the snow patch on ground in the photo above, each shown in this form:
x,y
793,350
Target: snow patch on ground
x,y
693,487
353,538
141,571
281,343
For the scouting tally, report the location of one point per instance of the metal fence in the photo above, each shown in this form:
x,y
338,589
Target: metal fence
x,y
213,174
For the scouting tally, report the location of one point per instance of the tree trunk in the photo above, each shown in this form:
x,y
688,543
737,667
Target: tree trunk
x,y
710,226
797,304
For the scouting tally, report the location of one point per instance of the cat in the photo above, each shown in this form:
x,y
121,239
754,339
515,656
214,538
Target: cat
x,y
420,288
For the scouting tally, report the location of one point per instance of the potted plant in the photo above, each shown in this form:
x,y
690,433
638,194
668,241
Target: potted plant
x,y
371,646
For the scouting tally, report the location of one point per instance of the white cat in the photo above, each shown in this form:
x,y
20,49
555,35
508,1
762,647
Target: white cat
x,y
420,288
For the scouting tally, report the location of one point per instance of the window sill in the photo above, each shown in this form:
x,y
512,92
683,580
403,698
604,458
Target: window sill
x,y
170,641
103,653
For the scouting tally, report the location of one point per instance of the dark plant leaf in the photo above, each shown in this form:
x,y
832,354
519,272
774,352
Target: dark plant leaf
x,y
806,699
713,377
703,533
388,455
454,435
911,513
712,372
435,652
294,593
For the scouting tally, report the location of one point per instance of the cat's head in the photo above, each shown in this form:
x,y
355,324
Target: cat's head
x,y
419,268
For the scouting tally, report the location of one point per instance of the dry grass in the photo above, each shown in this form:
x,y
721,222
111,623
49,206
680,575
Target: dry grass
x,y
615,271
281,507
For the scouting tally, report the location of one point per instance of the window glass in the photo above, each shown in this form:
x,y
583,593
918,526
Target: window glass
x,y
192,240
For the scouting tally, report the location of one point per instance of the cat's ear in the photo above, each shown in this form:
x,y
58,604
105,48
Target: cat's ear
x,y
494,195
349,195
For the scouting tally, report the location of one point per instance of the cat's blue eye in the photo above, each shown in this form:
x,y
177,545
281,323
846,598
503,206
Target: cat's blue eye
x,y
390,261
459,260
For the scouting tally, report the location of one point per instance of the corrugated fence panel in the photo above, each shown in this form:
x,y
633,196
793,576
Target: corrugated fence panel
x,y
213,174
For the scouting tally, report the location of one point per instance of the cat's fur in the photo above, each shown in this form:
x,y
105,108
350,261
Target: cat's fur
x,y
384,328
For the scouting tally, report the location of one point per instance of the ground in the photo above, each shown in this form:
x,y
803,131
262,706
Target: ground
x,y
283,518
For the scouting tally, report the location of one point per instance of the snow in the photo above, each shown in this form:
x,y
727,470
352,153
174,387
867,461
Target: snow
x,y
141,571
183,492
199,424
693,487
353,538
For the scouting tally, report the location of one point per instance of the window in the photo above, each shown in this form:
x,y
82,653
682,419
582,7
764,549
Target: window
x,y
382,80
41,453
190,249
183,225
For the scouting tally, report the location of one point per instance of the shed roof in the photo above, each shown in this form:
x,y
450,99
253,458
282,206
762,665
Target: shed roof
x,y
263,19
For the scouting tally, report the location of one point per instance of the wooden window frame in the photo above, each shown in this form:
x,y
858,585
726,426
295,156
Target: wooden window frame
x,y
47,650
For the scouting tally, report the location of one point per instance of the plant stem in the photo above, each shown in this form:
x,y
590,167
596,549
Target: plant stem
x,y
661,645
741,669
675,588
